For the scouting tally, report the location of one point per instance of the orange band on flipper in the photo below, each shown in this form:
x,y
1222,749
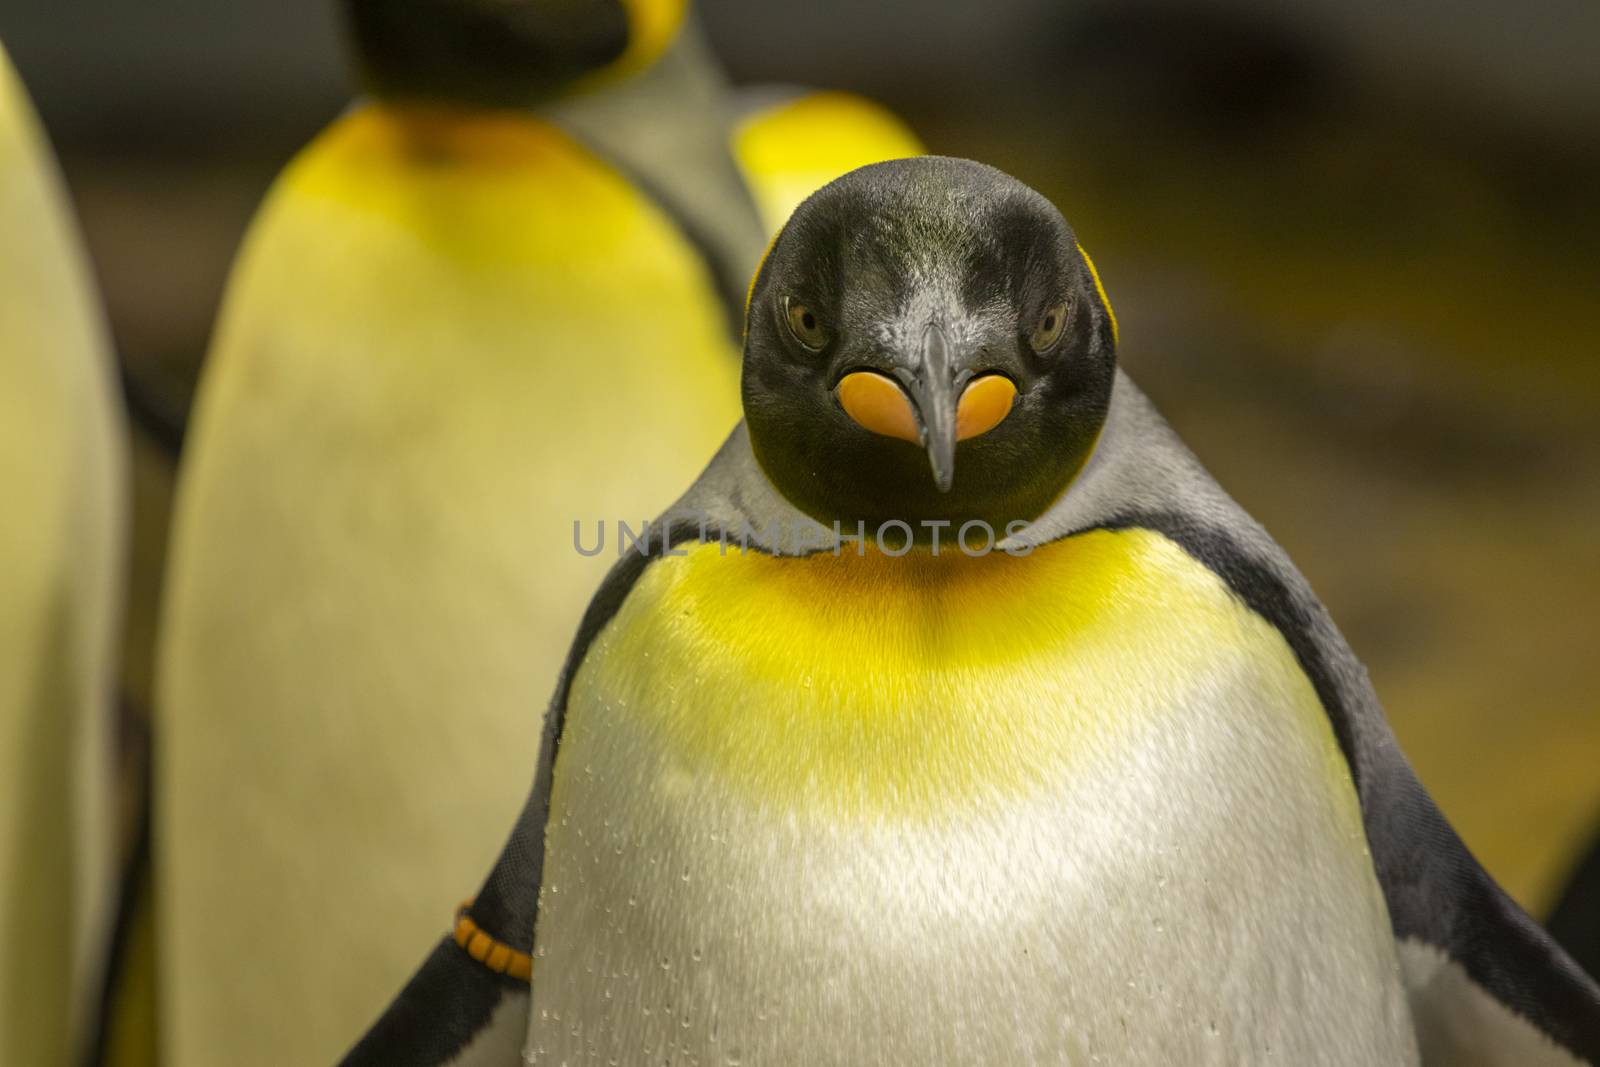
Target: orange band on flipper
x,y
498,956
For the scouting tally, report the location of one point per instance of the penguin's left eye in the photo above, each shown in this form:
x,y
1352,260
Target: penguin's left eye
x,y
805,325
1047,331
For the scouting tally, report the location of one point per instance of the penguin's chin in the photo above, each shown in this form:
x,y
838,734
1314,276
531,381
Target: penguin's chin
x,y
922,519
883,490
937,533
911,507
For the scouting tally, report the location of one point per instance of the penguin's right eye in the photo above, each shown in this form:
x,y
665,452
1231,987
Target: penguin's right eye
x,y
1047,331
805,325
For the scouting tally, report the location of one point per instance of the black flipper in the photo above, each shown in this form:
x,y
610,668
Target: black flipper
x,y
447,1008
1575,920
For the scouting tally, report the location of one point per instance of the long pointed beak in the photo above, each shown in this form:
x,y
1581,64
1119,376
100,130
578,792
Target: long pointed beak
x,y
934,397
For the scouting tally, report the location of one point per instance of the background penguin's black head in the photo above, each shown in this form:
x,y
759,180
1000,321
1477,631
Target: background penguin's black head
x,y
887,329
501,53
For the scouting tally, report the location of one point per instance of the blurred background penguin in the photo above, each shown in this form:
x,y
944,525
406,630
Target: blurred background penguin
x,y
62,468
436,353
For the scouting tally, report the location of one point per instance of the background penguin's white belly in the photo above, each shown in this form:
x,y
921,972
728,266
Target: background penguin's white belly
x,y
1191,887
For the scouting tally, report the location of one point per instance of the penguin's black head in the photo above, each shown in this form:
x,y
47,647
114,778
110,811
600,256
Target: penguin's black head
x,y
926,341
502,53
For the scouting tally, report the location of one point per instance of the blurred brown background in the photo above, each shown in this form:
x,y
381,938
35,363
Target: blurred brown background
x,y
1355,249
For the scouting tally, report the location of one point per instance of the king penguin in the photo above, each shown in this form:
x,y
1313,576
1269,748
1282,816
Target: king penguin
x,y
62,475
431,364
955,715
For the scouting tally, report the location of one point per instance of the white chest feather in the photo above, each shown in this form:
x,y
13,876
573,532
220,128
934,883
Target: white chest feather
x,y
1083,811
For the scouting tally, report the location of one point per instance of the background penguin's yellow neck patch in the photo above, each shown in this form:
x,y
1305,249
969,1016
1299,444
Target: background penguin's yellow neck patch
x,y
791,149
438,136
484,188
652,27
902,687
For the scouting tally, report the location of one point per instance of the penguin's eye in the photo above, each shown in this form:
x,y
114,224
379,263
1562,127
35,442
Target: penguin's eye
x,y
1047,331
805,325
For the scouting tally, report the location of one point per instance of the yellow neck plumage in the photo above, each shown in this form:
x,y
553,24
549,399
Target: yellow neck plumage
x,y
872,685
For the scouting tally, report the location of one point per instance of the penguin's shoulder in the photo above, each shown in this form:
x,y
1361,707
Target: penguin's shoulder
x,y
1486,983
1481,974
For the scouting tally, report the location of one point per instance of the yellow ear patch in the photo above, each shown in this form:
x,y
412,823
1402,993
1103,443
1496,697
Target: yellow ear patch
x,y
879,405
1100,290
984,405
652,26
